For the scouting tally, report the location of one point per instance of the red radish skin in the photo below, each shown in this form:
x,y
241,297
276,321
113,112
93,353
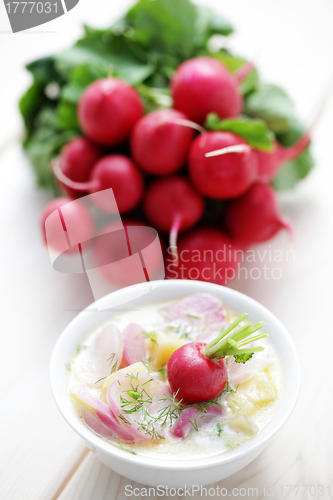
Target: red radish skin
x,y
119,173
159,143
205,254
197,378
77,159
254,217
108,110
77,217
269,164
204,85
197,372
225,176
171,198
113,171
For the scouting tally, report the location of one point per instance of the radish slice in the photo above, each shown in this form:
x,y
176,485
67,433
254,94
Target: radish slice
x,y
135,348
197,311
95,424
239,372
99,416
145,393
99,359
184,426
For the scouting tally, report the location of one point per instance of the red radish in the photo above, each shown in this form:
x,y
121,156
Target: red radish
x,y
222,176
196,377
77,159
70,225
108,110
160,141
204,85
113,171
135,348
117,253
198,372
206,254
254,216
270,163
171,204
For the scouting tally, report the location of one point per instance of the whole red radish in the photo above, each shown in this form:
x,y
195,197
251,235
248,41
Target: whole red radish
x,y
108,110
113,171
114,247
270,163
204,85
254,216
198,372
73,218
222,176
189,370
160,141
121,174
77,159
205,254
173,204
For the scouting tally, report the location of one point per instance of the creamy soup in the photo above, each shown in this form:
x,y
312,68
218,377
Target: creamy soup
x,y
119,382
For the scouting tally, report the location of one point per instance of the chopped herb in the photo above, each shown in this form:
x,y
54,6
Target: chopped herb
x,y
219,429
192,316
151,336
147,364
228,388
112,366
80,348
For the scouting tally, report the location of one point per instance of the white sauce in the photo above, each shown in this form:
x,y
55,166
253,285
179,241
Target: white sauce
x,y
246,411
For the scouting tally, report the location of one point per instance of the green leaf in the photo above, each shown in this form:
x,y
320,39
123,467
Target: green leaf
x,y
107,51
234,63
209,23
43,70
154,98
44,145
242,358
255,132
293,171
164,26
35,98
272,104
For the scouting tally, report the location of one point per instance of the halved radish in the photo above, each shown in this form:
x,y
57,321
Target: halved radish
x,y
101,358
99,413
191,419
136,400
197,310
95,424
135,345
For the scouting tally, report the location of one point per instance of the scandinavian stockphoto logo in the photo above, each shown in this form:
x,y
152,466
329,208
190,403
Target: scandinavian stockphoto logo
x,y
82,239
25,15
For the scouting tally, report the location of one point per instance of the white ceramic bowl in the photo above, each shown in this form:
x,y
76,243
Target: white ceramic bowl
x,y
167,472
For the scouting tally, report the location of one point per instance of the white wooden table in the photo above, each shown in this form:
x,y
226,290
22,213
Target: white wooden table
x,y
40,456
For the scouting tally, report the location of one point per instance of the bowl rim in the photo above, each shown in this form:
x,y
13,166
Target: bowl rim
x,y
255,444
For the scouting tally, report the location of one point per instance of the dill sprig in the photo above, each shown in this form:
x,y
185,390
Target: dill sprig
x,y
161,371
113,367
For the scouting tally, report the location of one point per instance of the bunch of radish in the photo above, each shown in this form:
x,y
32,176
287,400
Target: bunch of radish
x,y
164,167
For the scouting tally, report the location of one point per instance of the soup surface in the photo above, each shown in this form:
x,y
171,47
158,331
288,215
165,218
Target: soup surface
x,y
119,386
